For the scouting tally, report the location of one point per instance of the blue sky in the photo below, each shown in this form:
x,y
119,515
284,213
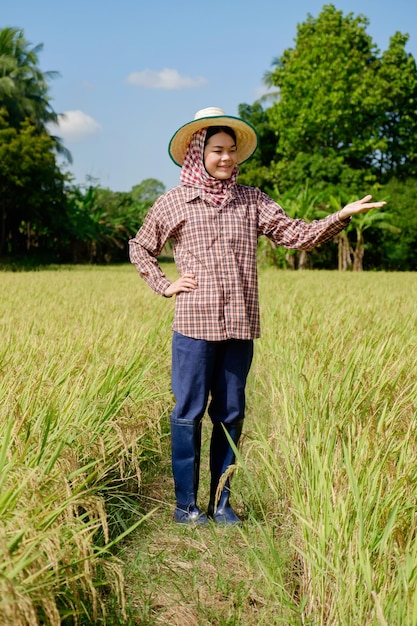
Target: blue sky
x,y
133,71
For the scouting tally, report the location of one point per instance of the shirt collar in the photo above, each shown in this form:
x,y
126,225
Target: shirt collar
x,y
191,193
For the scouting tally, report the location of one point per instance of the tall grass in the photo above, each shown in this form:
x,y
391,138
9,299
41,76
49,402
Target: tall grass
x,y
327,467
332,422
82,394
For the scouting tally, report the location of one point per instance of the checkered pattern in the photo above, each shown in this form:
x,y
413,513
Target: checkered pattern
x,y
219,244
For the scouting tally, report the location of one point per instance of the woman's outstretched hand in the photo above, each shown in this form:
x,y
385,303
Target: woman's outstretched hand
x,y
187,282
360,206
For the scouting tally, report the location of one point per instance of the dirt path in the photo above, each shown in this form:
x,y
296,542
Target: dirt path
x,y
176,575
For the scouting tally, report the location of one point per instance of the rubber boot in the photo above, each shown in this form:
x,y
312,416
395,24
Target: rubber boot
x,y
186,448
221,457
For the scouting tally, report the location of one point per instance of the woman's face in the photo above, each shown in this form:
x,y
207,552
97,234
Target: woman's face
x,y
220,156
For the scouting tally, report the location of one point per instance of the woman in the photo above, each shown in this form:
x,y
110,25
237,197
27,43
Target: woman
x,y
215,223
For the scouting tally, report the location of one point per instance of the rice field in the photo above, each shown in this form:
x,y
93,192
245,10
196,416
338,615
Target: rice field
x,y
80,407
334,444
326,476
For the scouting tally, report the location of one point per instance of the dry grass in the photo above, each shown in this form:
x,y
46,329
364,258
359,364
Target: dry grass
x,y
81,405
203,576
326,477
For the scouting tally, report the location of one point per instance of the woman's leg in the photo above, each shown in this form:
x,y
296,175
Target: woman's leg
x,y
227,411
192,367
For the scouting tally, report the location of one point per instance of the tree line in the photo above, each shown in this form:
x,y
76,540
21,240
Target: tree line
x,y
339,120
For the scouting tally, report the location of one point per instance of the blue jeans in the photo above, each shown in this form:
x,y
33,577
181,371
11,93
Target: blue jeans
x,y
215,369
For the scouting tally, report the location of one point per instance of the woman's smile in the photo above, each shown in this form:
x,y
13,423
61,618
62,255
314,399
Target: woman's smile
x,y
220,157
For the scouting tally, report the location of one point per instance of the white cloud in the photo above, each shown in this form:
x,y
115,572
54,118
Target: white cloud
x,y
164,79
75,125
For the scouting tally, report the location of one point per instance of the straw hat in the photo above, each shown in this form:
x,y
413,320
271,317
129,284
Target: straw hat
x,y
246,135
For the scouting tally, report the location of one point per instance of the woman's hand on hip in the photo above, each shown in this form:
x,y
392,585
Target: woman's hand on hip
x,y
187,282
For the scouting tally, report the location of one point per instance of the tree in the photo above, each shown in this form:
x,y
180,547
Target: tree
x,y
143,196
361,223
298,203
100,221
255,172
147,191
30,181
303,203
344,256
397,93
340,119
31,187
398,250
99,224
351,254
23,86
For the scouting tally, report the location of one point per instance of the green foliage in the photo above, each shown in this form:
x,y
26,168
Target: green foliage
x,y
31,186
30,181
23,87
397,93
301,202
325,84
343,122
375,219
398,250
351,240
255,172
308,204
36,212
147,191
100,222
345,116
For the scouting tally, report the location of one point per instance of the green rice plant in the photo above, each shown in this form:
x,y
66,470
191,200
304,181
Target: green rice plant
x,y
333,445
83,393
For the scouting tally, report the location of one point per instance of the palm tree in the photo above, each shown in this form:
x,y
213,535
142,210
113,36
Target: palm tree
x,y
25,112
365,221
24,87
302,203
351,254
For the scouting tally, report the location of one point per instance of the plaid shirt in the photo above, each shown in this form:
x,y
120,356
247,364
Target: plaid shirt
x,y
219,244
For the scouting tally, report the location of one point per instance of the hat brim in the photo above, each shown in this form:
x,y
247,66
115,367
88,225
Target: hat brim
x,y
246,136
